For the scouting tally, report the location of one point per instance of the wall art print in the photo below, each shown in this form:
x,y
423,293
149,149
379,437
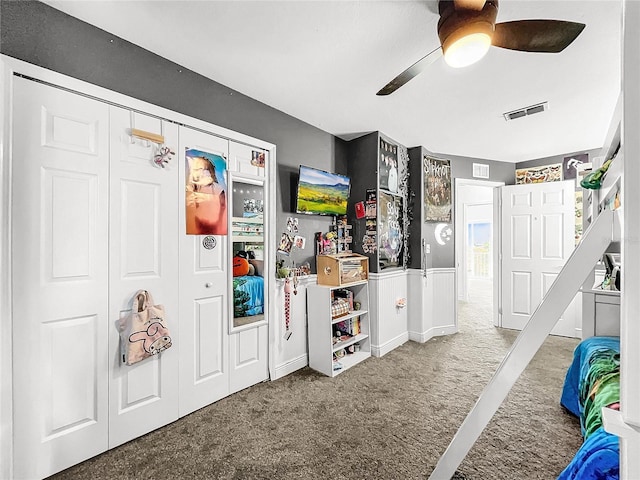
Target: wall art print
x,y
390,230
388,166
206,187
546,173
257,158
570,165
286,242
437,190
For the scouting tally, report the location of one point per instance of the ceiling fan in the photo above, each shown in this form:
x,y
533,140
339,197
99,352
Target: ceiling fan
x,y
467,28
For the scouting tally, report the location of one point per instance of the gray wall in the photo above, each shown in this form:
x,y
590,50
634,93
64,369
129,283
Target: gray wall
x,y
36,33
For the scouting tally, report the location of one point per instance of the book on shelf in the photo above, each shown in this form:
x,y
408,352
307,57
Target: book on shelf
x,y
346,294
351,326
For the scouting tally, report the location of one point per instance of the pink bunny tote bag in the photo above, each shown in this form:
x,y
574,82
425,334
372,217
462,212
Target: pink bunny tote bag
x,y
143,332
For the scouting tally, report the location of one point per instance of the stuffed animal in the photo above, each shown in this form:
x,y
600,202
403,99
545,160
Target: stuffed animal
x,y
240,266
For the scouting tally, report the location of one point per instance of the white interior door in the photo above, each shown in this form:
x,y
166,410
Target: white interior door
x,y
204,286
537,239
60,188
144,241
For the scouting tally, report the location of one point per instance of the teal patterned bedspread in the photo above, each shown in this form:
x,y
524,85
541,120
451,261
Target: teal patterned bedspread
x,y
593,382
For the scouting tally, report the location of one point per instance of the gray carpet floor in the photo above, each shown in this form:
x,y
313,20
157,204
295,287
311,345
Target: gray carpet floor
x,y
387,418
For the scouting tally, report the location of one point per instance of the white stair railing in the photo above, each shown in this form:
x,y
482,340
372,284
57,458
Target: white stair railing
x,y
594,243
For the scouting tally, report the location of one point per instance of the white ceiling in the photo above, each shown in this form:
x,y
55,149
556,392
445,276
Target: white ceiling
x,y
324,61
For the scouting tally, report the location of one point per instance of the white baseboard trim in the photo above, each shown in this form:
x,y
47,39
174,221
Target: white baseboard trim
x,y
432,332
291,366
380,350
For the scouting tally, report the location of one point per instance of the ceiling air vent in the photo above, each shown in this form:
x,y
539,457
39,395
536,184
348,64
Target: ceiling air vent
x,y
523,112
480,170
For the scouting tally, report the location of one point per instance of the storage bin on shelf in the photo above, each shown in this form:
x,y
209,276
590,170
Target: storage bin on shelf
x,y
342,269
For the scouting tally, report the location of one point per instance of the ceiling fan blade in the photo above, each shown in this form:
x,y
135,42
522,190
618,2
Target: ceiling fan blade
x,y
548,36
411,72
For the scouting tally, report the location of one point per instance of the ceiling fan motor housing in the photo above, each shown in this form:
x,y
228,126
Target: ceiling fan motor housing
x,y
455,24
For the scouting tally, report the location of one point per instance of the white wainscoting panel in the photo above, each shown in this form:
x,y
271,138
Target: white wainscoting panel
x,y
292,354
433,306
388,319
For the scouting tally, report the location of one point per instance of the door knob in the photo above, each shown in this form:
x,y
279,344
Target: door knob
x,y
208,284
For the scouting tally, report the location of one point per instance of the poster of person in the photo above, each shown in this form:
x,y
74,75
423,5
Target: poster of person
x,y
257,158
388,166
286,242
292,224
206,198
546,173
299,242
389,230
570,165
437,190
371,204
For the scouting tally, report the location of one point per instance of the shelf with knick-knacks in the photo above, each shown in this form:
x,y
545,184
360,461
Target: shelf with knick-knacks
x,y
338,328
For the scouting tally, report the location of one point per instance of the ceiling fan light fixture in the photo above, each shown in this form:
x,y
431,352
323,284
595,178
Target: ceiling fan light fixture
x,y
467,49
466,34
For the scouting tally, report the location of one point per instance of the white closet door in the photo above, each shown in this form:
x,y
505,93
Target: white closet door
x,y
204,284
60,172
143,256
245,159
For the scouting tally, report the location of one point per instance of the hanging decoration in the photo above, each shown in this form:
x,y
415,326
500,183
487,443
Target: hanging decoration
x,y
408,197
162,156
209,242
287,308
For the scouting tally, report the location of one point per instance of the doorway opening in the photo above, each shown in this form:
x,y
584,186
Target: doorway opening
x,y
476,250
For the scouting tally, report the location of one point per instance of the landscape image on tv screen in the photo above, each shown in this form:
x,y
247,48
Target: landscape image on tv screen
x,y
322,193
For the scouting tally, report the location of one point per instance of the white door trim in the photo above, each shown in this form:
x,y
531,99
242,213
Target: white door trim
x,y
459,235
6,327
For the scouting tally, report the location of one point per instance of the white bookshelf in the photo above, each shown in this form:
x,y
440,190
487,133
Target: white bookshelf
x,y
322,347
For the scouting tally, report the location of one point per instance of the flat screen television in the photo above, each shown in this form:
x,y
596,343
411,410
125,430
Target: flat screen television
x,y
322,193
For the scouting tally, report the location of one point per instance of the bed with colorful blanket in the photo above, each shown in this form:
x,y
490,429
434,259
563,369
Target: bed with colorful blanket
x,y
593,382
248,296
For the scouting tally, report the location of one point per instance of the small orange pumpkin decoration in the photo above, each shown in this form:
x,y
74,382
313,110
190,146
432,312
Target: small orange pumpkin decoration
x,y
240,266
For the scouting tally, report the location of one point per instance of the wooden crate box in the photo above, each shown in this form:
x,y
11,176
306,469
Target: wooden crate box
x,y
342,269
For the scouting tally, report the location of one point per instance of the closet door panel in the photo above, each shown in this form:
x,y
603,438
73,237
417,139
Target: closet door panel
x,y
143,256
249,357
246,159
204,277
60,178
